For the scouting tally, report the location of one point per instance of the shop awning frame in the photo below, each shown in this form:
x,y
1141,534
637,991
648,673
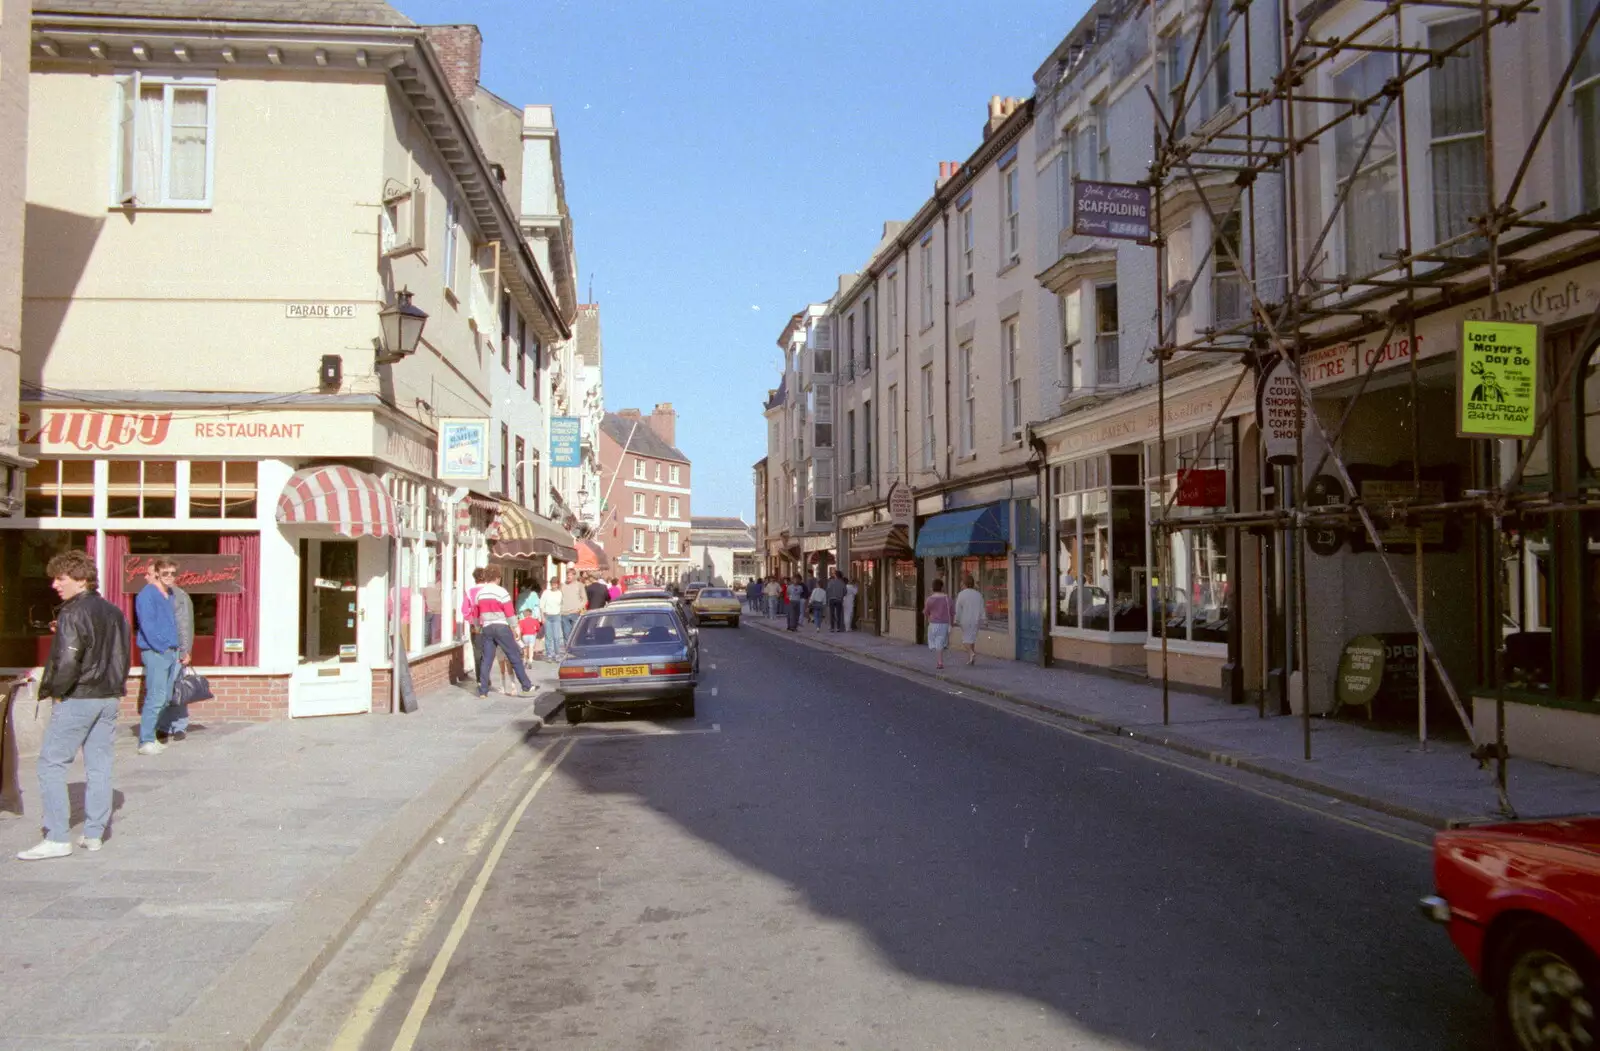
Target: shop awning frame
x,y
883,540
969,531
351,502
525,535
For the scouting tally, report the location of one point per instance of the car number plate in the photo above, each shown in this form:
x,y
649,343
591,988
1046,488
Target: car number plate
x,y
624,671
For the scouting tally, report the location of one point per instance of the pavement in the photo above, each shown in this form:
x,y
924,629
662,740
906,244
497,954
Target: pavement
x,y
236,863
1380,770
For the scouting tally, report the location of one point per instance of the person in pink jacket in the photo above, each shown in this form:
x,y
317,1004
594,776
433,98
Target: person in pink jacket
x,y
938,610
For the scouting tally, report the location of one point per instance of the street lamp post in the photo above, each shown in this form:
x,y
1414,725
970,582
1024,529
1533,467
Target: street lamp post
x,y
400,325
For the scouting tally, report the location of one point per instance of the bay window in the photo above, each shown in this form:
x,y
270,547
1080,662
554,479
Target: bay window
x,y
1098,553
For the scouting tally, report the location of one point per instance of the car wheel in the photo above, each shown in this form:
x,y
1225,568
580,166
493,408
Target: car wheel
x,y
686,705
574,713
1547,990
736,622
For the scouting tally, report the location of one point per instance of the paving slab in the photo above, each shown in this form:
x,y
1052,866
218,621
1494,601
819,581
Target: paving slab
x,y
1378,769
235,864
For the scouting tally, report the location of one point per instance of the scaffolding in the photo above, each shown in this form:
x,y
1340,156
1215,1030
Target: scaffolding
x,y
1264,135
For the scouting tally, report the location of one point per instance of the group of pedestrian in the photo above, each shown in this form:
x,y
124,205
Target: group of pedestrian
x,y
965,612
164,613
499,627
802,599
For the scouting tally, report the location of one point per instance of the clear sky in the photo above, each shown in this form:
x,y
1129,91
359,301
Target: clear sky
x,y
726,160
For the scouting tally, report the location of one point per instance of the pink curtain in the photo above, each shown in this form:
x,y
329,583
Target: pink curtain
x,y
239,616
111,573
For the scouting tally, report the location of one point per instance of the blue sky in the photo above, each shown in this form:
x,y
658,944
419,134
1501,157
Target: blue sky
x,y
726,161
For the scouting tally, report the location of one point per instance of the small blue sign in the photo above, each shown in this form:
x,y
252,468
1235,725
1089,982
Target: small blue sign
x,y
566,437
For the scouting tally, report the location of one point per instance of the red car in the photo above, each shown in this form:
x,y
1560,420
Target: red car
x,y
1522,903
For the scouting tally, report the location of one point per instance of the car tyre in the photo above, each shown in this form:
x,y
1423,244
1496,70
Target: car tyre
x,y
736,622
574,712
686,705
1546,989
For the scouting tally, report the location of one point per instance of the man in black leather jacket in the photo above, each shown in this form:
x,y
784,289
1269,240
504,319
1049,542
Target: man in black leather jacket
x,y
86,674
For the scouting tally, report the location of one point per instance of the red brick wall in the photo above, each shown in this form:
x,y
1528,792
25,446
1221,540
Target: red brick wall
x,y
251,698
427,673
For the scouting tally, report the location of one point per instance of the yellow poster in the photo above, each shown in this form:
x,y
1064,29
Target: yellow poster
x,y
1498,385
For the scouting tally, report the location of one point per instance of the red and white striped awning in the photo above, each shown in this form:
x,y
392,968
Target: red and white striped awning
x,y
354,503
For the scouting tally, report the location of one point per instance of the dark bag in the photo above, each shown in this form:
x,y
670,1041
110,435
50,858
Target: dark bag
x,y
191,687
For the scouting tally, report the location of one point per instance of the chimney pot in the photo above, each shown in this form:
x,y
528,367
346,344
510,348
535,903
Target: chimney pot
x,y
460,51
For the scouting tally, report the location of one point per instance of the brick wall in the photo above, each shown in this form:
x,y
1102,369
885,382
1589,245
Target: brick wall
x,y
427,674
460,51
252,698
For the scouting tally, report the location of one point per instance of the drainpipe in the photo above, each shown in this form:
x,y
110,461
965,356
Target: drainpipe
x,y
1046,546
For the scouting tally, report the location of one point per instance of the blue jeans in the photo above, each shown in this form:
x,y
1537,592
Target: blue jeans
x,y
160,672
498,637
89,723
569,625
554,636
817,612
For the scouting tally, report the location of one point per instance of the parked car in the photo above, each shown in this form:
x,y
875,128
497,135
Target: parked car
x,y
662,595
1521,901
717,604
626,655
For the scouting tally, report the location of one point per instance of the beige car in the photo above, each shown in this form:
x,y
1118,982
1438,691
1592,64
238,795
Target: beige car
x,y
717,604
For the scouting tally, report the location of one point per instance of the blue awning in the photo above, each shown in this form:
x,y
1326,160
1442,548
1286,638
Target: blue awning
x,y
970,531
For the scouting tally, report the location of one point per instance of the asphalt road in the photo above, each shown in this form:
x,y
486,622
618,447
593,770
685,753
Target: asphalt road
x,y
832,856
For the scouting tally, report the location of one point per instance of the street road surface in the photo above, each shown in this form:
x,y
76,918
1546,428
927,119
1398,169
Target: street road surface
x,y
833,856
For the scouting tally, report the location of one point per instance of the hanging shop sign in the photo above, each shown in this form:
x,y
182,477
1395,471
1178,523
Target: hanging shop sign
x,y
1111,209
197,574
1497,387
1280,412
463,449
566,441
902,504
1202,487
1325,539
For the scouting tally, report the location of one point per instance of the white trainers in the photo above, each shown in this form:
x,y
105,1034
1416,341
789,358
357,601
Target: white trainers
x,y
48,848
89,844
152,748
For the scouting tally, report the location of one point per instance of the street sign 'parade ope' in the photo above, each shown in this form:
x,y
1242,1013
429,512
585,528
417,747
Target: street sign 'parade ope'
x,y
1497,387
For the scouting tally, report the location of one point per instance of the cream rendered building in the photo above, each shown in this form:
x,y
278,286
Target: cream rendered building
x,y
228,206
13,176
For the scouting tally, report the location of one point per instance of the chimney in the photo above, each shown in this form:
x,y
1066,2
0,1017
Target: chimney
x,y
632,414
947,171
664,421
460,51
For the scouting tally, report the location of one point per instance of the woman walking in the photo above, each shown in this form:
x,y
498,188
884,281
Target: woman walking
x,y
937,610
850,591
968,615
819,603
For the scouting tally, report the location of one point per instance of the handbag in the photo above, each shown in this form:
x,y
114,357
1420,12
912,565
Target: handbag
x,y
191,687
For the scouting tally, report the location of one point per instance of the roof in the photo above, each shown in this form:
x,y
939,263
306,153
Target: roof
x,y
779,396
718,523
319,12
646,442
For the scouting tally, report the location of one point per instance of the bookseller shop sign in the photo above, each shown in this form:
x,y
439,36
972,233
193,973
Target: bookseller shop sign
x,y
1111,209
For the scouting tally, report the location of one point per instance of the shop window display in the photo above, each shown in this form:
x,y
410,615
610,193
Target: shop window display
x,y
27,603
1195,601
1098,525
993,574
903,583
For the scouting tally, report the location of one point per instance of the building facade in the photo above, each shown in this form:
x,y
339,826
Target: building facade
x,y
206,370
644,526
722,552
14,35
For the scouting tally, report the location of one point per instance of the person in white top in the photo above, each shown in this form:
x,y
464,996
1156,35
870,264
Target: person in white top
x,y
968,615
850,590
551,608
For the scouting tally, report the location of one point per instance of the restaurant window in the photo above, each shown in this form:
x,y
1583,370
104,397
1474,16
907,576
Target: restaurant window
x,y
59,489
1099,544
27,603
1195,601
992,574
903,583
222,489
220,572
142,489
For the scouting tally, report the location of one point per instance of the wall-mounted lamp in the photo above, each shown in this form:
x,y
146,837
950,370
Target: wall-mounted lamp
x,y
401,324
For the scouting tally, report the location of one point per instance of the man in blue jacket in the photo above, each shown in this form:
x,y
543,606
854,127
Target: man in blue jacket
x,y
159,645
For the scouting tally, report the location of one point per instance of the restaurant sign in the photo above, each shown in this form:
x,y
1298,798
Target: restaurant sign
x,y
197,574
75,431
1111,209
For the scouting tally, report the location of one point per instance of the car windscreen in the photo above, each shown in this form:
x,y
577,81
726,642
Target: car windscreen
x,y
716,593
627,627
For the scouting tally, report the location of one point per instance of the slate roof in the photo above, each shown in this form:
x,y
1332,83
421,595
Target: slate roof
x,y
718,523
646,442
780,395
323,12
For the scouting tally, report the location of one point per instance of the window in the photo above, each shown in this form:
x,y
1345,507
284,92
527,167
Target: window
x,y
27,602
822,509
1068,174
893,295
638,503
222,489
522,456
1180,278
165,141
822,348
1372,209
505,460
1108,364
1195,601
925,263
967,285
850,448
505,331
850,348
658,472
1098,556
1071,306
638,541
1230,299
1586,105
658,507
1456,141
1011,212
866,335
868,428
452,245
928,436
903,583
894,430
676,475
672,542
968,404
1219,96
142,489
522,352
823,435
1171,68
1011,395
672,508
60,489
638,468
1100,139
535,361
992,574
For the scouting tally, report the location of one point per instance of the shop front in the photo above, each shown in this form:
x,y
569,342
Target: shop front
x,y
872,551
289,559
976,542
529,547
